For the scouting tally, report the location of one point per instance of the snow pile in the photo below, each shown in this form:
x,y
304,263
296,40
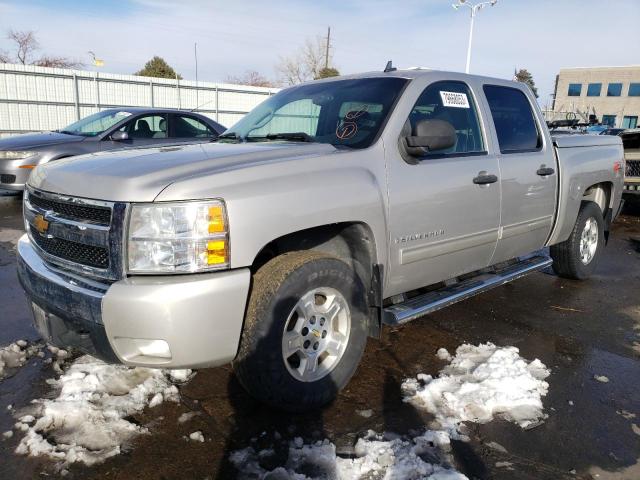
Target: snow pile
x,y
376,456
88,421
16,355
482,382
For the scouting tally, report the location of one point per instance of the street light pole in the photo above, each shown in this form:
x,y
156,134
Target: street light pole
x,y
475,8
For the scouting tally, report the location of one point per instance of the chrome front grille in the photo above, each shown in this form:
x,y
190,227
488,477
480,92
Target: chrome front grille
x,y
79,235
76,252
83,213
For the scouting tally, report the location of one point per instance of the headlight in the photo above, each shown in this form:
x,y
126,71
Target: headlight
x,y
178,237
15,154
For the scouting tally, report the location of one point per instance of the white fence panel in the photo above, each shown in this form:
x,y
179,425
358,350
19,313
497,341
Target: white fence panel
x,y
34,98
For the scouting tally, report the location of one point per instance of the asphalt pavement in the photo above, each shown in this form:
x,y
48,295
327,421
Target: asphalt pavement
x,y
580,330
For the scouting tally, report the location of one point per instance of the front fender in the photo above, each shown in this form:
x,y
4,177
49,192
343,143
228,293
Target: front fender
x,y
266,202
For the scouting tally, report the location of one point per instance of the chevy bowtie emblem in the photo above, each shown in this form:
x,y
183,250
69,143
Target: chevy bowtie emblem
x,y
40,224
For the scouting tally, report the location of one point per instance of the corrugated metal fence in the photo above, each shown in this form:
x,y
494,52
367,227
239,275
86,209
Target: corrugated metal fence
x,y
34,99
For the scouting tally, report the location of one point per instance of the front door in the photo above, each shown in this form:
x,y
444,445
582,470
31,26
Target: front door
x,y
528,174
444,206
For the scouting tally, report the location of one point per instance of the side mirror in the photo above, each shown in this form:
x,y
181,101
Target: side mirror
x,y
119,136
430,136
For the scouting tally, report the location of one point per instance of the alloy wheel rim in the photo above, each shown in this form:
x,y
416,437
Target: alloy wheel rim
x,y
316,334
589,241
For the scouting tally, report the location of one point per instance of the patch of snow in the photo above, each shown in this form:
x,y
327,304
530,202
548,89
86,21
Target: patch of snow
x,y
8,434
507,465
365,413
376,456
180,376
601,378
87,421
156,400
185,417
480,382
16,355
197,436
443,354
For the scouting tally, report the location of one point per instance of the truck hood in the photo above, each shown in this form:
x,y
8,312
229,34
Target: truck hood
x,y
28,141
139,175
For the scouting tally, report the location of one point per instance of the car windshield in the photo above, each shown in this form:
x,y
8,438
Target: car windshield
x,y
96,124
348,113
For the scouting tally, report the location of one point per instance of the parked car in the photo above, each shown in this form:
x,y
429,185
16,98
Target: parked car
x,y
631,142
333,208
110,129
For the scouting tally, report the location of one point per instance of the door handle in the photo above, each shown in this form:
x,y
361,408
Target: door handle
x,y
545,171
485,178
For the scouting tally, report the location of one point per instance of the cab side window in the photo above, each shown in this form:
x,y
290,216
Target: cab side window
x,y
190,127
513,118
452,102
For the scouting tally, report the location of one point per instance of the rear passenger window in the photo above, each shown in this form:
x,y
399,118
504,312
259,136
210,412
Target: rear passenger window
x,y
513,118
452,102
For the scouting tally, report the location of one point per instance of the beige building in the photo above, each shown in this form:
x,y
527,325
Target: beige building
x,y
610,93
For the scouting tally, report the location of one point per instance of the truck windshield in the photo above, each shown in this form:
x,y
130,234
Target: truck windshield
x,y
347,113
95,124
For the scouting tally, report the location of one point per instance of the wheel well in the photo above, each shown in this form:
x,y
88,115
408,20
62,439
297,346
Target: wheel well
x,y
351,242
600,193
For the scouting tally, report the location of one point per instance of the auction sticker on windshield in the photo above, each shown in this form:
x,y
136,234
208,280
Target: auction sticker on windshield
x,y
454,99
123,114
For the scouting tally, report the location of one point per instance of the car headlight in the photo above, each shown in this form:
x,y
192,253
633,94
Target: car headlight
x,y
179,237
15,154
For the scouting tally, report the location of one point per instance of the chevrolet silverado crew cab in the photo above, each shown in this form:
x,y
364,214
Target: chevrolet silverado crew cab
x,y
332,209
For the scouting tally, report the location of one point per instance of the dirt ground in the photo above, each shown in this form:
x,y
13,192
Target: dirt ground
x,y
578,329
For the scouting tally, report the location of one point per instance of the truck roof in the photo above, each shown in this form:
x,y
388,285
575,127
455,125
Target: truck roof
x,y
417,72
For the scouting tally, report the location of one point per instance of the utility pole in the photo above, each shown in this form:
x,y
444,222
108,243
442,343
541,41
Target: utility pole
x,y
326,53
195,53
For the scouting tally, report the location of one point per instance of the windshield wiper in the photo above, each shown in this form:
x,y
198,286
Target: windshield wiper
x,y
66,132
295,136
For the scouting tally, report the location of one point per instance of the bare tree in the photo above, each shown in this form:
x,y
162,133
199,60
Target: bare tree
x,y
305,64
250,77
26,45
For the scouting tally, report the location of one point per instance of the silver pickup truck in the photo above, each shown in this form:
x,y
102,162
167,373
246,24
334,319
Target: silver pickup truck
x,y
333,208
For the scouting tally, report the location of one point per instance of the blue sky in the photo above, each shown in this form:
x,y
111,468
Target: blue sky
x,y
234,36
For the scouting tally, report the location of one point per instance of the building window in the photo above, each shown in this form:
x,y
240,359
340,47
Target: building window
x,y
634,89
629,122
614,90
593,90
575,89
609,120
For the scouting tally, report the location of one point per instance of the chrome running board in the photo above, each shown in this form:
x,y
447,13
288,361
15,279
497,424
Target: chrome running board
x,y
435,300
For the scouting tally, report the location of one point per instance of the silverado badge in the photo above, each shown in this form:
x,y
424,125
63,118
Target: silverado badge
x,y
40,224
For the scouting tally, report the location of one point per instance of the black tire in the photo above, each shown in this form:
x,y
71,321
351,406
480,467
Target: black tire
x,y
277,287
566,255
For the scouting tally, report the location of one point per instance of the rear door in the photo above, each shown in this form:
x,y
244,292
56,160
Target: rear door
x,y
528,173
443,216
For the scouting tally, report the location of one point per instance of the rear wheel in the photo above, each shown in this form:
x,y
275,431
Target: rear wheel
x,y
305,331
578,256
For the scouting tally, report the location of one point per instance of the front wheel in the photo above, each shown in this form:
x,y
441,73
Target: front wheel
x,y
578,256
305,331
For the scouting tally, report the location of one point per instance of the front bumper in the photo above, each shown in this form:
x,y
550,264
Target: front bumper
x,y
13,175
179,321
